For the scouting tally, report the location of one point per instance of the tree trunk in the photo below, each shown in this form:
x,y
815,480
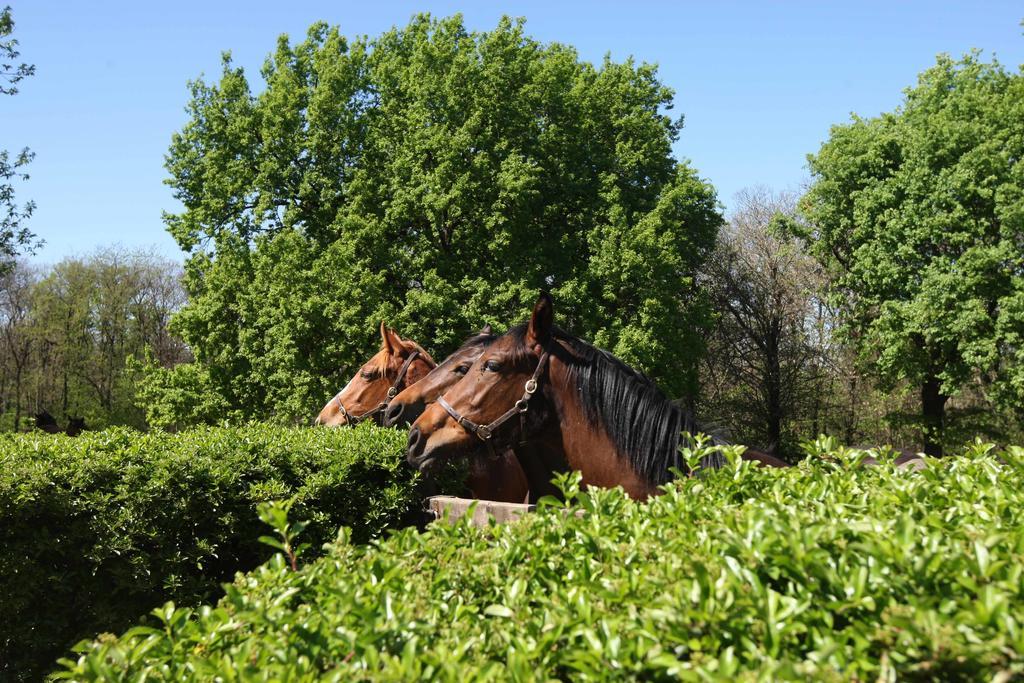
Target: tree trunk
x,y
933,414
17,400
774,390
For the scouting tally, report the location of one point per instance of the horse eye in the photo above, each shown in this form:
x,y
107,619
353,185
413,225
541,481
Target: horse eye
x,y
461,370
492,366
368,374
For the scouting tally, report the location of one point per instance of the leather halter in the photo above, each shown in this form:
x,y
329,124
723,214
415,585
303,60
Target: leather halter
x,y
352,420
485,432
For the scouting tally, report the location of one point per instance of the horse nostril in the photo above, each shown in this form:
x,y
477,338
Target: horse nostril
x,y
394,412
414,444
412,411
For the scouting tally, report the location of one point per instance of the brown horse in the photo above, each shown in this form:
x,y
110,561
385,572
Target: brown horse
x,y
399,363
410,403
76,425
577,406
47,422
498,478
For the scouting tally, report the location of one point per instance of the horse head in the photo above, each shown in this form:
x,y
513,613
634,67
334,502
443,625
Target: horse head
x,y
398,363
490,406
47,422
410,403
76,425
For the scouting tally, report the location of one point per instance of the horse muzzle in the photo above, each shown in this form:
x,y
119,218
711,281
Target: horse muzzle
x,y
414,448
421,457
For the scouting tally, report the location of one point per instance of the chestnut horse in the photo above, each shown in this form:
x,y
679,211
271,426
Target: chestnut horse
x,y
577,406
497,476
399,363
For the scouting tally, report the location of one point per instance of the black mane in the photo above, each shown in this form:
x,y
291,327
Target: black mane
x,y
642,422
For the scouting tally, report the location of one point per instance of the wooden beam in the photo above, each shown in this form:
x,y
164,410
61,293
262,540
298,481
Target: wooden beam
x,y
456,508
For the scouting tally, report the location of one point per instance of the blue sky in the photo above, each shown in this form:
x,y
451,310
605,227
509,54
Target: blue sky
x,y
759,83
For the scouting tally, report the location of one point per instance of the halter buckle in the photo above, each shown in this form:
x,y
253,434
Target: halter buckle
x,y
522,405
531,385
483,432
392,392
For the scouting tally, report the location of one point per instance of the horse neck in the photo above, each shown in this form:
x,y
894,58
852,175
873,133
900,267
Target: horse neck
x,y
586,447
539,460
419,369
500,478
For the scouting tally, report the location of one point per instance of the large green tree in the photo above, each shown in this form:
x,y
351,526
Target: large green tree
x,y
920,215
436,178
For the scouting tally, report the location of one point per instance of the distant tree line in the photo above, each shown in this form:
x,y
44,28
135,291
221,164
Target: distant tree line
x,y
437,178
74,336
887,303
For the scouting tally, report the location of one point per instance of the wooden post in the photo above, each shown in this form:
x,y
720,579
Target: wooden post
x,y
456,509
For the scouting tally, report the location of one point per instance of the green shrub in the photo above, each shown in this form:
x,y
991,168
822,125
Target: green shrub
x,y
821,572
98,530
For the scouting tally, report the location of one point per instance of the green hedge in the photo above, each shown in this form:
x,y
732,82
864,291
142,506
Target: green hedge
x,y
821,572
98,530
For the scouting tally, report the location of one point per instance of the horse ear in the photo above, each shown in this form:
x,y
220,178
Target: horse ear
x,y
541,320
397,343
385,337
486,329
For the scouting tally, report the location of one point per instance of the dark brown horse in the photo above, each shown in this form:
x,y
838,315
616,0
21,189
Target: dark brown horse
x,y
497,476
47,422
578,407
76,425
399,363
413,399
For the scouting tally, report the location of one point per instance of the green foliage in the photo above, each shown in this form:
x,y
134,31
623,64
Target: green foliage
x,y
11,73
919,214
275,514
820,572
15,237
178,397
99,529
436,178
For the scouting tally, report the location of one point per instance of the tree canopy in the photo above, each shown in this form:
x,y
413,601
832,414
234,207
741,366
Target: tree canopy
x,y
919,213
436,178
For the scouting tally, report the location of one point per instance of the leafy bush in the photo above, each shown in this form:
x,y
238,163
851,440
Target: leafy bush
x,y
827,571
179,397
100,529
